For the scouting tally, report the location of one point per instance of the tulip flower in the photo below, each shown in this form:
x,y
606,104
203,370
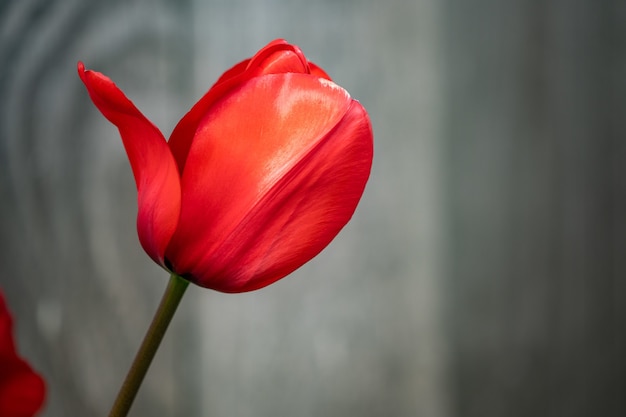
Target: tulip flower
x,y
256,179
22,390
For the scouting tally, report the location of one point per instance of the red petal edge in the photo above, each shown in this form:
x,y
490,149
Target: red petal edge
x,y
154,168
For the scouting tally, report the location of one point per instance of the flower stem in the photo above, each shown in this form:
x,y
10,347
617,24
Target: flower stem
x,y
172,296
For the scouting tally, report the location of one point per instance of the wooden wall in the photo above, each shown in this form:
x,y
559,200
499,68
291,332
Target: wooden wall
x,y
536,166
482,274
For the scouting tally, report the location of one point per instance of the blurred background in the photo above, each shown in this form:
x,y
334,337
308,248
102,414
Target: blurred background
x,y
483,274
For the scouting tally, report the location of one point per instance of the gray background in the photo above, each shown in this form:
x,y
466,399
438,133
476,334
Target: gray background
x,y
482,275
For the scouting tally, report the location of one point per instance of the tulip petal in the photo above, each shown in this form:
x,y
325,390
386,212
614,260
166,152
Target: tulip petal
x,y
276,57
318,71
22,390
274,172
154,168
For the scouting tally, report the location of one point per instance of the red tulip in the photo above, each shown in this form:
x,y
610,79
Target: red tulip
x,y
22,391
256,179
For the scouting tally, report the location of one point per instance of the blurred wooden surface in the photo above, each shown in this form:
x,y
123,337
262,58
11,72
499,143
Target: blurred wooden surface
x,y
536,134
482,275
74,274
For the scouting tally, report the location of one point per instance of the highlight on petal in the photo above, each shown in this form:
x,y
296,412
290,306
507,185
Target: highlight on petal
x,y
22,390
284,178
155,171
275,58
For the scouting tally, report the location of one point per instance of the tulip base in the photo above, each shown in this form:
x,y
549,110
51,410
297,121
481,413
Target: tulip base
x,y
171,298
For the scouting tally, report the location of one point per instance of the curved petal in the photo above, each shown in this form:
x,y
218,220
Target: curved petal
x,y
275,171
265,58
318,71
276,57
154,168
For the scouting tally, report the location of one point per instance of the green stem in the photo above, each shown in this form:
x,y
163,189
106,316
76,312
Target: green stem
x,y
172,296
